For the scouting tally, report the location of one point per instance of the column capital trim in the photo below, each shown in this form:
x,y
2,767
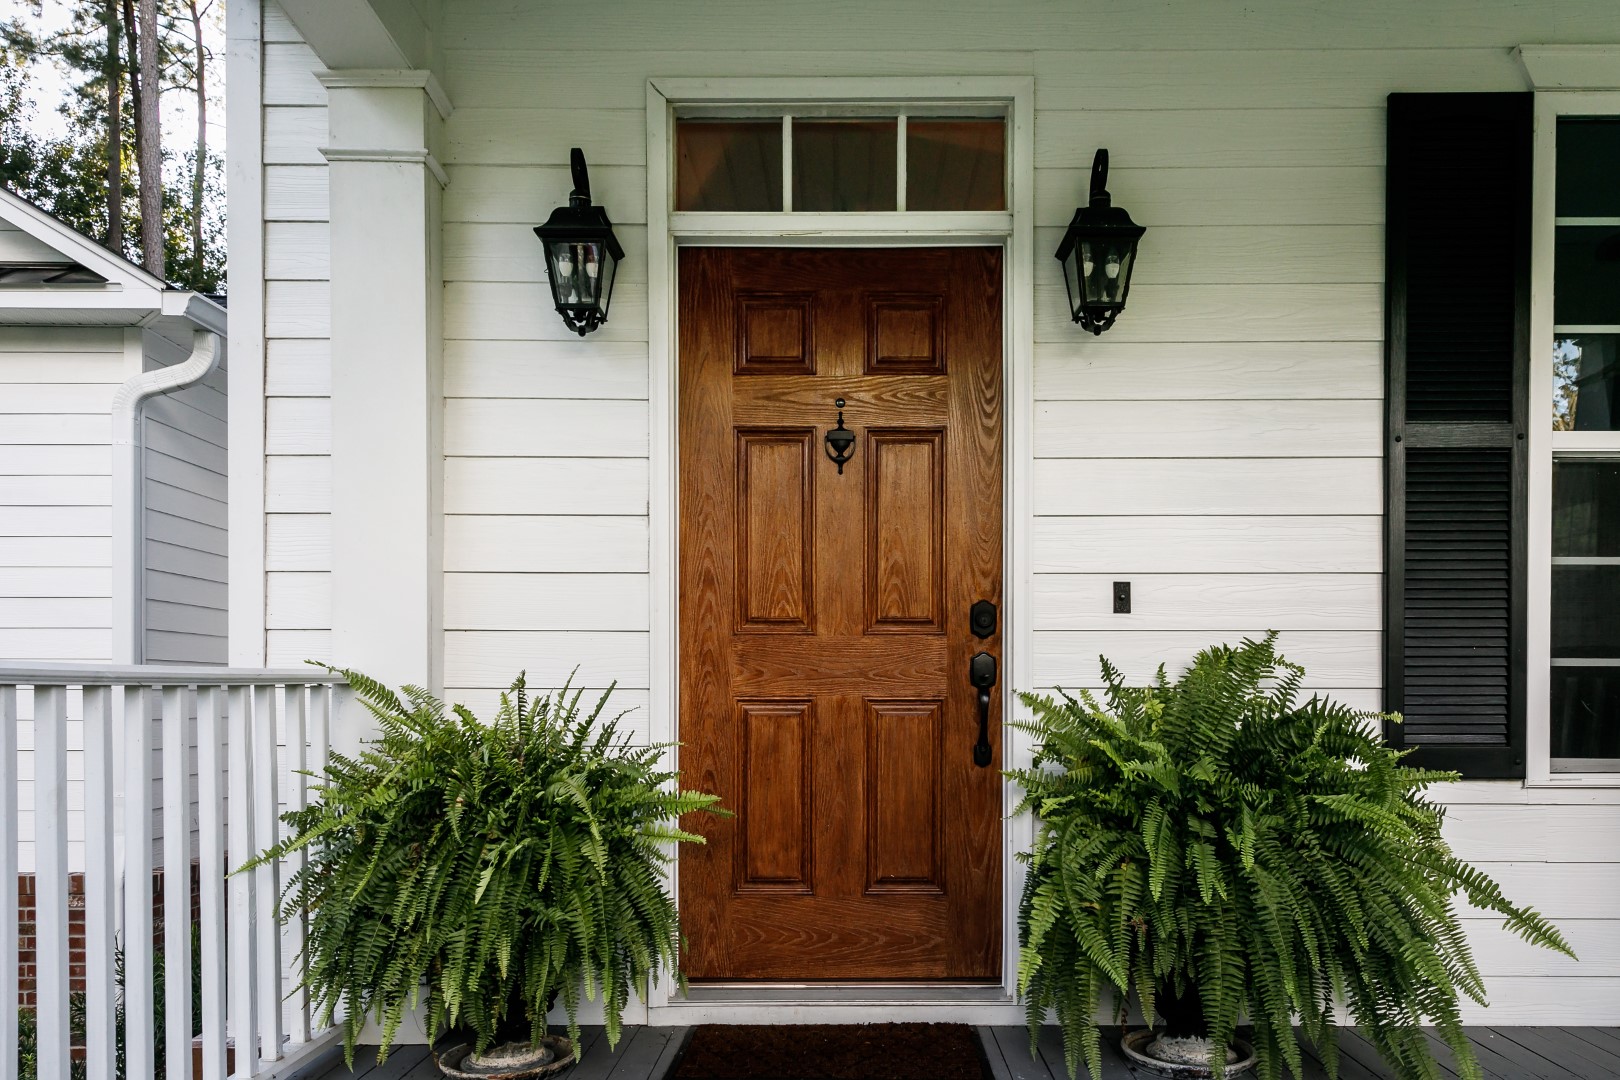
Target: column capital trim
x,y
413,157
390,78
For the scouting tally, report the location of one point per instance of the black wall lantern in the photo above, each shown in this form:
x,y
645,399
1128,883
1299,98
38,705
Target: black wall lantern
x,y
581,254
1097,254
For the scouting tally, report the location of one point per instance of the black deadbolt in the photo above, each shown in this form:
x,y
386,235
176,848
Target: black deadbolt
x,y
982,618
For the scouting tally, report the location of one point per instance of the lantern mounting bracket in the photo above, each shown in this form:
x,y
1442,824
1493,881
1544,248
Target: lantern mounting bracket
x,y
582,254
1098,253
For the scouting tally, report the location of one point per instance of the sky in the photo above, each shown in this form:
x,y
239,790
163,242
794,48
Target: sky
x,y
179,109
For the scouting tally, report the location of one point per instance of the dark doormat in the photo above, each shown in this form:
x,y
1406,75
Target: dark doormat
x,y
832,1052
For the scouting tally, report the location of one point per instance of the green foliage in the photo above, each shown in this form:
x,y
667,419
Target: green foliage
x,y
66,174
1215,835
497,865
27,1021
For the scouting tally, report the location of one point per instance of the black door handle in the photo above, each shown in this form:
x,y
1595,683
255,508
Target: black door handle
x,y
982,673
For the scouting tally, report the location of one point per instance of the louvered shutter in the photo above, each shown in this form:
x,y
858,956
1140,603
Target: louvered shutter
x,y
1457,358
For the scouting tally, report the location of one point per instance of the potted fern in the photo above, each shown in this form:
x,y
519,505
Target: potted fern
x,y
1215,847
482,870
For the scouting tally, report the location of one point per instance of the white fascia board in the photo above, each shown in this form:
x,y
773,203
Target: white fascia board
x,y
75,245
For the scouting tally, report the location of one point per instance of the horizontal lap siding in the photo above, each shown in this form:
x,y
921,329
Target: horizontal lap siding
x,y
184,488
56,391
1220,447
297,367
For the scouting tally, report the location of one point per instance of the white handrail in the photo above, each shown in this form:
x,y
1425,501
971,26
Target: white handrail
x,y
162,675
142,724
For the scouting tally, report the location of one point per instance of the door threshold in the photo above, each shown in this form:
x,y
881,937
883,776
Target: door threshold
x,y
842,994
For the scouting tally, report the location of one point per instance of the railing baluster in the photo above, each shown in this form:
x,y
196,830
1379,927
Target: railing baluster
x,y
297,798
176,883
100,886
267,884
51,881
210,871
244,1019
256,1017
138,1036
8,874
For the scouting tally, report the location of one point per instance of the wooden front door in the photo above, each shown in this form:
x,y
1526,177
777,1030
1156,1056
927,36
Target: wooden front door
x,y
826,646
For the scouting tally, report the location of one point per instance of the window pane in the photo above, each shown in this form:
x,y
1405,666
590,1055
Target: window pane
x,y
1586,713
1584,602
1588,162
1586,508
1586,272
844,165
956,165
1586,383
728,165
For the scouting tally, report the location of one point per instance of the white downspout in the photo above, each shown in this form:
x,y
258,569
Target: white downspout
x,y
128,496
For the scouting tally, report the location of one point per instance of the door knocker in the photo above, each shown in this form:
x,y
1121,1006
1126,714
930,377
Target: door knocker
x,y
840,441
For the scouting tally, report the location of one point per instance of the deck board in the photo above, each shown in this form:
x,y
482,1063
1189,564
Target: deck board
x,y
1581,1058
649,1053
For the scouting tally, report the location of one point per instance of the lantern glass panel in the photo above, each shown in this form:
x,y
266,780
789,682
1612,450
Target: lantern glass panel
x,y
579,272
1105,270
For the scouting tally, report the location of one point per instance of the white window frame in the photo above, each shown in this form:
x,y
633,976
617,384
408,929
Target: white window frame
x,y
1543,443
1014,231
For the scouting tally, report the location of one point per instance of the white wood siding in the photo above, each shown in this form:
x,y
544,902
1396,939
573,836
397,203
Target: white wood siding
x,y
56,391
1220,447
297,363
184,509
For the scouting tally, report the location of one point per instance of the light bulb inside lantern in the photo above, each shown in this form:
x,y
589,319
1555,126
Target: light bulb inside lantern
x,y
1111,267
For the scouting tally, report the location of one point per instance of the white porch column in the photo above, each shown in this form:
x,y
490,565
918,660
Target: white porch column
x,y
387,448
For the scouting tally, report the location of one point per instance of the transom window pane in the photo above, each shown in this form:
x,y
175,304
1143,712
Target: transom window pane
x,y
956,165
728,165
840,164
845,165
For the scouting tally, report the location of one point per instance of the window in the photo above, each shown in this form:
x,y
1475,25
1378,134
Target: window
x,y
1583,646
871,162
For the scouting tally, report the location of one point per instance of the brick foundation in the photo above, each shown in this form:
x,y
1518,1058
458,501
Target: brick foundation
x,y
27,944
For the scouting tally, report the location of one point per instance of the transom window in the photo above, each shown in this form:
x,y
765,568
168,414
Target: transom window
x,y
860,163
1584,652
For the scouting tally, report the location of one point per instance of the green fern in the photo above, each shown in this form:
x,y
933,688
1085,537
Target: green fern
x,y
486,868
1215,836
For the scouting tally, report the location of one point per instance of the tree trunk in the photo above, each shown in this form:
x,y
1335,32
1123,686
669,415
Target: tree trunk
x,y
115,133
132,67
150,134
199,170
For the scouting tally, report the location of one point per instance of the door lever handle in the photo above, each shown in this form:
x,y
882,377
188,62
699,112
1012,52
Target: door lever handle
x,y
982,674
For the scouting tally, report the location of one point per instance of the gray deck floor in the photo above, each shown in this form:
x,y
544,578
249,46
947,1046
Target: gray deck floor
x,y
1508,1053
646,1053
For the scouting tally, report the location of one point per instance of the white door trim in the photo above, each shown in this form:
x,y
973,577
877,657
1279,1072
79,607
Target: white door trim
x,y
1015,232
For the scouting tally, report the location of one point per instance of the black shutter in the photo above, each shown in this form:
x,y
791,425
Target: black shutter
x,y
1457,352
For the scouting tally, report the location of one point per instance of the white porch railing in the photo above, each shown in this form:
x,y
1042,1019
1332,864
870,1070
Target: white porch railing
x,y
178,763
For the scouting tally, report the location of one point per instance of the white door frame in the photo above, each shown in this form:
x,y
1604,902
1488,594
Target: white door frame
x,y
1014,231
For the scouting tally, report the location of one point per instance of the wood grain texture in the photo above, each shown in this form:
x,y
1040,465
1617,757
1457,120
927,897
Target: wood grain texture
x,y
823,615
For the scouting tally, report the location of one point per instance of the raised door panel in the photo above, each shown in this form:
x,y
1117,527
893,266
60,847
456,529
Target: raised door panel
x,y
776,334
904,828
905,334
773,854
905,520
775,565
